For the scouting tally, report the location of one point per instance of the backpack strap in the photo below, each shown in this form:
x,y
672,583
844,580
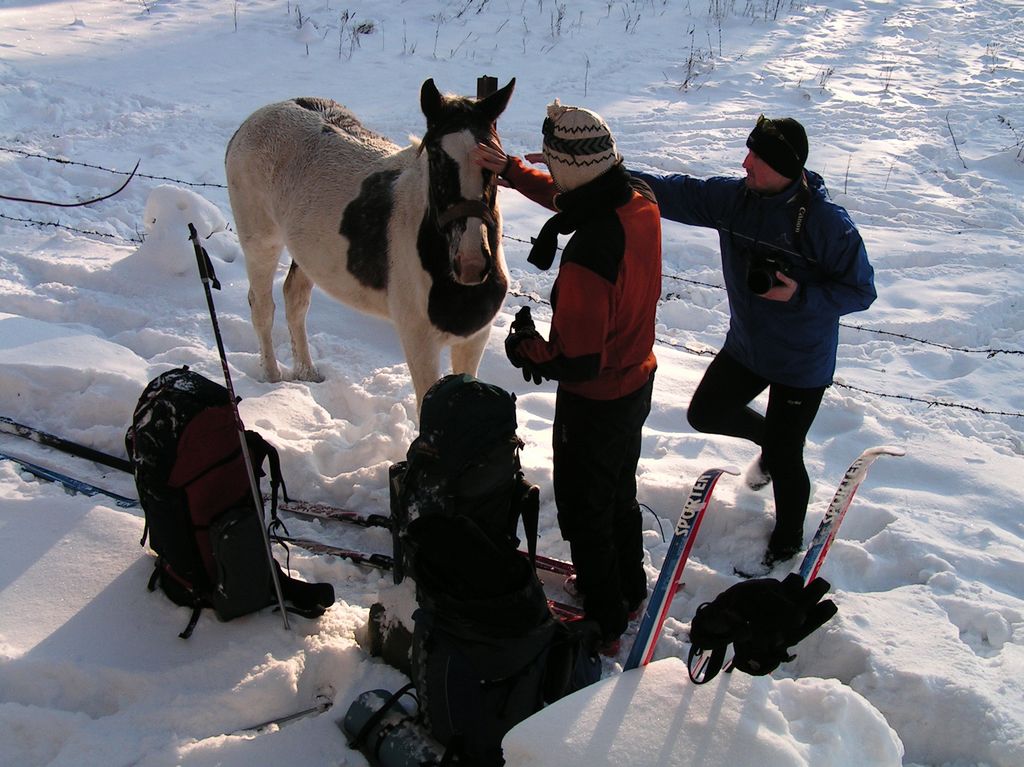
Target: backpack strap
x,y
526,506
310,600
260,451
162,570
192,621
399,518
701,670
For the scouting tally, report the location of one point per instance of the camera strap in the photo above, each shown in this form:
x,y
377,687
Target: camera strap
x,y
802,198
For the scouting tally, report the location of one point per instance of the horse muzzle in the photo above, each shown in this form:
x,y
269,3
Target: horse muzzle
x,y
473,261
472,270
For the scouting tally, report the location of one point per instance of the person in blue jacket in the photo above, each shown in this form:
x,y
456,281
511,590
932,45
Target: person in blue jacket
x,y
793,263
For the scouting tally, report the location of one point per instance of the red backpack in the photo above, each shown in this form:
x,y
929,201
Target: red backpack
x,y
194,489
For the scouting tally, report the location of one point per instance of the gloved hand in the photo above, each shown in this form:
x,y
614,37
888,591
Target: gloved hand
x,y
529,371
521,329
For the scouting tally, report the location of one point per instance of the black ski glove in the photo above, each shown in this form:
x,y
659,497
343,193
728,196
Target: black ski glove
x,y
762,619
521,329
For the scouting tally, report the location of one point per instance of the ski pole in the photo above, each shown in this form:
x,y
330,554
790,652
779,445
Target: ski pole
x,y
324,702
209,280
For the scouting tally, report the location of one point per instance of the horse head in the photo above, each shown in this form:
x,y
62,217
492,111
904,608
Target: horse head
x,y
460,233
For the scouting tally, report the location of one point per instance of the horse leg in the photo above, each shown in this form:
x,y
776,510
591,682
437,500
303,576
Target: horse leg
x,y
261,257
298,290
466,354
422,354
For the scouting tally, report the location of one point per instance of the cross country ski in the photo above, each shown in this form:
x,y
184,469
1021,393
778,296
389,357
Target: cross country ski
x,y
672,568
315,510
71,484
10,426
836,510
321,511
740,608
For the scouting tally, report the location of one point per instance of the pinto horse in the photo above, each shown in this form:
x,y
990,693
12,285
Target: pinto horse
x,y
410,234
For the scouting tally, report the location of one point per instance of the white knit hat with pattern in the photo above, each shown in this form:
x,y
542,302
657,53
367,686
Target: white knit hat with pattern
x,y
578,146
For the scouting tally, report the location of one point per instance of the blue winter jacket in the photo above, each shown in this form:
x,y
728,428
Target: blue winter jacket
x,y
795,342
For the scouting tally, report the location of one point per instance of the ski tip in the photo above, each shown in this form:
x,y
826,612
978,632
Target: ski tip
x,y
728,469
887,450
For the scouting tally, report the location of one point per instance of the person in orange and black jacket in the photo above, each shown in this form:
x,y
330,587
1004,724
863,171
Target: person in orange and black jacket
x,y
599,350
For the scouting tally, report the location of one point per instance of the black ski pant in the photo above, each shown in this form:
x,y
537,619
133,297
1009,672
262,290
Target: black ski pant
x,y
596,451
721,405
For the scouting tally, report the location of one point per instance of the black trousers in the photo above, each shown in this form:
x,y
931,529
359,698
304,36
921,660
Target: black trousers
x,y
721,405
596,451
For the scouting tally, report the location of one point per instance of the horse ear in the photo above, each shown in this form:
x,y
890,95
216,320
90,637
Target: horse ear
x,y
492,106
431,100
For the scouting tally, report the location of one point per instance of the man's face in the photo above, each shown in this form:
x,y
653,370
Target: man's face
x,y
761,177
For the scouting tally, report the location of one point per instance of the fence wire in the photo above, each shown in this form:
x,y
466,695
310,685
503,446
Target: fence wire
x,y
663,340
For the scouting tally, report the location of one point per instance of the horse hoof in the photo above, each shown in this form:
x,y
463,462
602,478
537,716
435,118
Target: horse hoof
x,y
307,373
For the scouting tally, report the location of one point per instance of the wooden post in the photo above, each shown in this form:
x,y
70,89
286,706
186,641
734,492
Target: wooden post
x,y
485,86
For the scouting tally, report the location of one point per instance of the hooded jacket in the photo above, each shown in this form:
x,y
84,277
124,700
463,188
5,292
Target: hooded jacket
x,y
605,297
794,342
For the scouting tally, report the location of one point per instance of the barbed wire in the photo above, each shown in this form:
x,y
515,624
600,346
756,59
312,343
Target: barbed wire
x,y
706,352
924,341
965,350
663,340
63,161
78,203
76,230
929,402
988,352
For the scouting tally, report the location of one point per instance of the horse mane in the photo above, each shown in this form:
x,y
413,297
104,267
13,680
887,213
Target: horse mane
x,y
341,118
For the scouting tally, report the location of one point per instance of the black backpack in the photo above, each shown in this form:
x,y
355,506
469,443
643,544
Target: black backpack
x,y
464,463
194,489
485,651
485,654
480,657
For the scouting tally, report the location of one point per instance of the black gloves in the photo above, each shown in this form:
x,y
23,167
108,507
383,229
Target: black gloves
x,y
521,329
762,619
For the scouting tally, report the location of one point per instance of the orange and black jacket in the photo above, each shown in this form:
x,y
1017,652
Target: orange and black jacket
x,y
605,296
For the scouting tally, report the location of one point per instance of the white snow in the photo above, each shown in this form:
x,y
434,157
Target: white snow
x,y
916,120
656,716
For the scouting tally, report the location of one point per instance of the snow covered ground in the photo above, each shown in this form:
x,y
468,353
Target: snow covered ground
x,y
916,120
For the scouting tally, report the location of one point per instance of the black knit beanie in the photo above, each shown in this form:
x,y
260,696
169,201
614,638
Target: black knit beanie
x,y
781,143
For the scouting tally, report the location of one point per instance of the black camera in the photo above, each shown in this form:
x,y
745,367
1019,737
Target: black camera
x,y
523,321
761,272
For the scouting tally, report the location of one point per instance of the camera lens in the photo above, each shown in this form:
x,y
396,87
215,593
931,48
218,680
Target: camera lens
x,y
760,281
